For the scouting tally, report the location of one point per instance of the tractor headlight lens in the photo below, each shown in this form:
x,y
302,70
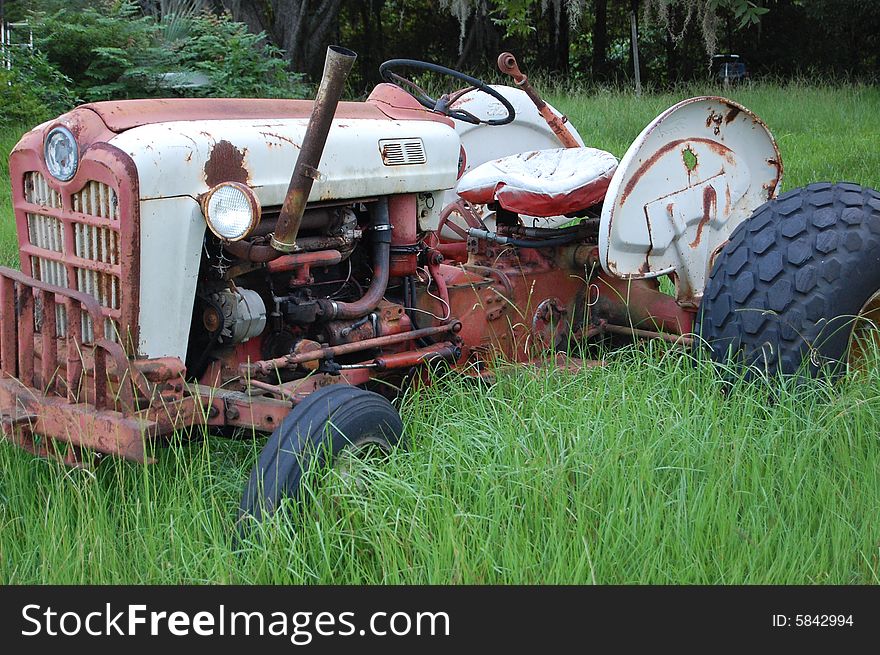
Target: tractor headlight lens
x,y
61,153
231,210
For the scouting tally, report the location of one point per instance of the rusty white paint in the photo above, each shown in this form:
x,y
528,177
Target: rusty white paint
x,y
692,175
547,173
482,143
172,231
171,157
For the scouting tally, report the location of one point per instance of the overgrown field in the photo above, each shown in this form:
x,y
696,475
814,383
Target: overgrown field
x,y
645,471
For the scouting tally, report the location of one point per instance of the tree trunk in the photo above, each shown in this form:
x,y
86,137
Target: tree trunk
x,y
301,28
600,39
671,63
561,40
634,26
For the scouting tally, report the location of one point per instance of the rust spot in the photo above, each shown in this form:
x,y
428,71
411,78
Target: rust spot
x,y
226,164
710,203
650,239
714,121
714,146
270,136
729,116
771,187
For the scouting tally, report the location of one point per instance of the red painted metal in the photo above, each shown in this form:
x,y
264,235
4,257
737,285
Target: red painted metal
x,y
290,361
640,304
443,351
507,65
103,164
534,202
73,396
304,260
404,236
8,346
386,102
80,424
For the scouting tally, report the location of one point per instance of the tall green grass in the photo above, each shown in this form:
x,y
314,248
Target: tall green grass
x,y
8,240
649,469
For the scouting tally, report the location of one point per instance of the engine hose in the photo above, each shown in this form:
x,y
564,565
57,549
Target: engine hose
x,y
523,243
585,226
331,309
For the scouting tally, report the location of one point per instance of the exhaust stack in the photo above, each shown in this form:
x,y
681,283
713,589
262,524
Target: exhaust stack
x,y
336,68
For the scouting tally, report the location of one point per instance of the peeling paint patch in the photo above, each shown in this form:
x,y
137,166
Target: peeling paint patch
x,y
710,207
689,158
226,164
714,122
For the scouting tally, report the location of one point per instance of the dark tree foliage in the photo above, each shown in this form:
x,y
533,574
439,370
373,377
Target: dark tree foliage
x,y
575,41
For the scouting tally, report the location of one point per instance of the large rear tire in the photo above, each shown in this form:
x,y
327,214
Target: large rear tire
x,y
330,420
794,280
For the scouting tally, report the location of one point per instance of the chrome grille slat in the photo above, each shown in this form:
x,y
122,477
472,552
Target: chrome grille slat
x,y
38,192
52,272
401,152
45,232
99,243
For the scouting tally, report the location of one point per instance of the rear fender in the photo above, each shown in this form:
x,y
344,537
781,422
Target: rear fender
x,y
694,173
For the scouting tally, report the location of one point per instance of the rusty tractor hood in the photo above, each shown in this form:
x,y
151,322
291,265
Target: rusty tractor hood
x,y
386,145
363,157
183,146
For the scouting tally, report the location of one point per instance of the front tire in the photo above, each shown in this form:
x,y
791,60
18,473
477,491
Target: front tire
x,y
789,286
330,420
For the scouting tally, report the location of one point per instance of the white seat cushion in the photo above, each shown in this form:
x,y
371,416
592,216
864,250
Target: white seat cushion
x,y
541,182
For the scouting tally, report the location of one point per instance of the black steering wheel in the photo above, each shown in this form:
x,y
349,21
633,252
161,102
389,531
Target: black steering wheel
x,y
443,104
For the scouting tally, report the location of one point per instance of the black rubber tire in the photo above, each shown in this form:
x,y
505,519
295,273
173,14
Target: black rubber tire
x,y
786,288
321,426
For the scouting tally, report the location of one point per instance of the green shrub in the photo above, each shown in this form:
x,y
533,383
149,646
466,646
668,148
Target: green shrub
x,y
33,90
112,51
237,62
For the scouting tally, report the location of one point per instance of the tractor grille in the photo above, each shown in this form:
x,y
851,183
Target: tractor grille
x,y
38,191
96,199
80,247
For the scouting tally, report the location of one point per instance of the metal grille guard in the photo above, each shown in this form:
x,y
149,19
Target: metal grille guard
x,y
86,406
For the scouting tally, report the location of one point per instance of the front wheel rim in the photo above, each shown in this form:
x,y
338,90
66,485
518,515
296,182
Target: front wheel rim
x,y
349,463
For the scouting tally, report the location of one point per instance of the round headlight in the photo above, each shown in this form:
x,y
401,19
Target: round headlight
x,y
61,153
231,210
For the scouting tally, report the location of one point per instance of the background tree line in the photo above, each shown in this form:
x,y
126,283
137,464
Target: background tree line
x,y
96,49
584,40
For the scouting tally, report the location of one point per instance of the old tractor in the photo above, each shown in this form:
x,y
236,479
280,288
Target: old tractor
x,y
175,274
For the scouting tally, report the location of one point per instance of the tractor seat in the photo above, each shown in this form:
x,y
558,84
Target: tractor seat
x,y
541,182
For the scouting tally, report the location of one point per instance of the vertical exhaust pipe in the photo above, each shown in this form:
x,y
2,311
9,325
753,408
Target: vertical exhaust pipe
x,y
337,65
